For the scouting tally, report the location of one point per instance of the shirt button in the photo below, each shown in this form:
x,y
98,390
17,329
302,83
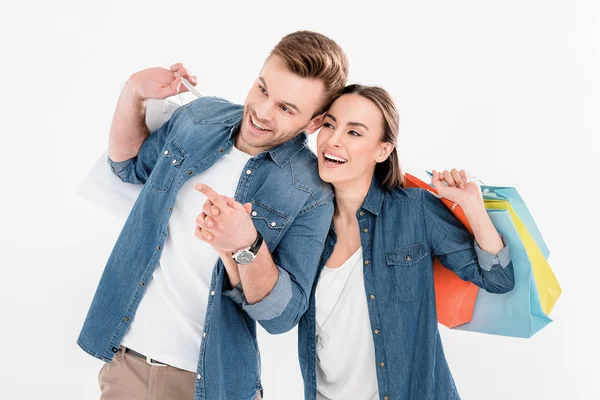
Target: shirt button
x,y
381,364
166,153
248,172
199,376
273,223
386,397
367,262
408,258
372,297
254,213
189,171
142,284
221,150
212,293
365,230
362,213
204,334
170,208
157,247
377,331
126,319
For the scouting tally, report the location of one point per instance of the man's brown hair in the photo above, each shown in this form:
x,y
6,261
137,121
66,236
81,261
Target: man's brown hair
x,y
313,55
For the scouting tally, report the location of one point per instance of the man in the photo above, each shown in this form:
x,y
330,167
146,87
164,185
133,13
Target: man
x,y
165,317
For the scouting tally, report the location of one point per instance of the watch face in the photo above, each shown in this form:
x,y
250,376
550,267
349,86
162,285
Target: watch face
x,y
245,257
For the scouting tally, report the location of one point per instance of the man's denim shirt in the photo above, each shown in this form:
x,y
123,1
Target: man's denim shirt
x,y
401,231
293,213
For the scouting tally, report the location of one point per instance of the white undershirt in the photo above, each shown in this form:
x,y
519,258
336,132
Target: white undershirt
x,y
169,322
345,350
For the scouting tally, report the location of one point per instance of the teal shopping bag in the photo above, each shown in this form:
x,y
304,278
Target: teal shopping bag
x,y
512,195
517,313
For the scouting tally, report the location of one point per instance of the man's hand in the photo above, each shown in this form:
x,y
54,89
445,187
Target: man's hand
x,y
224,223
159,83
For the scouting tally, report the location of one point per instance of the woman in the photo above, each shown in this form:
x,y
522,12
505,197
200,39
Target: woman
x,y
371,331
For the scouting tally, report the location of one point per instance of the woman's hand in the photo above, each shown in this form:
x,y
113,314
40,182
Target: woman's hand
x,y
468,196
454,186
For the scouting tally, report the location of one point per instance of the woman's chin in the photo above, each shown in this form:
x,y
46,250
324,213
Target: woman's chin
x,y
327,175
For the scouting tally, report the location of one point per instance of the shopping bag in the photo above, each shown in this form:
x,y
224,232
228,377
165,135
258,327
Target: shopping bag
x,y
454,298
512,195
103,188
548,288
519,312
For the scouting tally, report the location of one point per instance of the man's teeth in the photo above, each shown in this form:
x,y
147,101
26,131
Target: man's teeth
x,y
257,126
334,158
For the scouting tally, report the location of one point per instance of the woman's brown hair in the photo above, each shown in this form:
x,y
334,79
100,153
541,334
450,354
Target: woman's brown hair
x,y
389,171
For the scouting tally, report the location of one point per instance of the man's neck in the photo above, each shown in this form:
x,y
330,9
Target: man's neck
x,y
244,147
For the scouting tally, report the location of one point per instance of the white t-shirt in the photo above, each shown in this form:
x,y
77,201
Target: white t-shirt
x,y
168,324
345,350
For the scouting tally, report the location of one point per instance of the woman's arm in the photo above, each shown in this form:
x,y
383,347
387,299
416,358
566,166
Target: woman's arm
x,y
468,196
485,262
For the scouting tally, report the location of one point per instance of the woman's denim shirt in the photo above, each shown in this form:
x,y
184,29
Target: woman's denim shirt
x,y
401,232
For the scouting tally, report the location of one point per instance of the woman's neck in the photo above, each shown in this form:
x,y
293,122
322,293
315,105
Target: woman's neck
x,y
349,197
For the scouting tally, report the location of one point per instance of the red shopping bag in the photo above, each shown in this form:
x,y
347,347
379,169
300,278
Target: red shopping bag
x,y
454,298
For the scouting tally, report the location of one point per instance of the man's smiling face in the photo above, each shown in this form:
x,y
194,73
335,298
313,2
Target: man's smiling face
x,y
279,106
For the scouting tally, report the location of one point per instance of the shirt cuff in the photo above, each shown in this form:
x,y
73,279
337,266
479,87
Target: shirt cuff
x,y
118,167
275,303
487,260
236,294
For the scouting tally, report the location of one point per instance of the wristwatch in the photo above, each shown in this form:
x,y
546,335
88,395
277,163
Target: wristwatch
x,y
248,254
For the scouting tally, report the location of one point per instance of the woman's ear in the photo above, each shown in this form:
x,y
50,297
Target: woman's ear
x,y
385,149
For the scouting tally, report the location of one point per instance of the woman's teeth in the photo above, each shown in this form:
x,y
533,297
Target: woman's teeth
x,y
334,159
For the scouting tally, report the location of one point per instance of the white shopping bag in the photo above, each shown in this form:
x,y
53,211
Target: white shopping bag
x,y
103,188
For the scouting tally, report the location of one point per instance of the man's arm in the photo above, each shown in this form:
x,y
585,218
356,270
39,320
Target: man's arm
x,y
276,290
128,129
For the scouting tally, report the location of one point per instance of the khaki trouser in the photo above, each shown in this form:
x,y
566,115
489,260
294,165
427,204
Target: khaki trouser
x,y
129,377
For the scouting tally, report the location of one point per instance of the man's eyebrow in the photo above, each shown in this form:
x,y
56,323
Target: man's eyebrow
x,y
263,81
349,123
290,105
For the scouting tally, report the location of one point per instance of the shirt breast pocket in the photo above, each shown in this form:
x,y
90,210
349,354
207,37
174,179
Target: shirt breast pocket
x,y
269,221
167,166
408,265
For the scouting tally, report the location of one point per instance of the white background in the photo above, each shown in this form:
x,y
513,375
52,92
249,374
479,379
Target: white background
x,y
508,90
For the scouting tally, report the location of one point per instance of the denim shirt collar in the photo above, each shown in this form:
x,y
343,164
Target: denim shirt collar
x,y
282,154
374,197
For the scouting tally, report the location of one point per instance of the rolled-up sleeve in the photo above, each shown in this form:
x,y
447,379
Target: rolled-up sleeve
x,y
137,169
458,251
271,306
487,260
297,258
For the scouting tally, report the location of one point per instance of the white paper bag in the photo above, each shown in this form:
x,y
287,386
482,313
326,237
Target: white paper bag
x,y
103,188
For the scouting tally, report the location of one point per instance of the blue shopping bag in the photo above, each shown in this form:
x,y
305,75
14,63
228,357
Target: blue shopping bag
x,y
517,313
512,195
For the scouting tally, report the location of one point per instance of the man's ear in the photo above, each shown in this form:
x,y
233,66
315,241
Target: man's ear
x,y
315,124
385,149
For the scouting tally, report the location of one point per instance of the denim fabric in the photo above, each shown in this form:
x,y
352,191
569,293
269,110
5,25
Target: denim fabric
x,y
293,213
401,231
